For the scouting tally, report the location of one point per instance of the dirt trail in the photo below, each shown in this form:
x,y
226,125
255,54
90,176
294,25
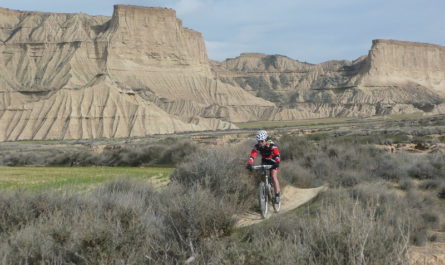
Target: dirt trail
x,y
431,254
292,198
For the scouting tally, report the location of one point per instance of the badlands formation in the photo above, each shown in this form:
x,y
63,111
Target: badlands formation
x,y
395,77
140,72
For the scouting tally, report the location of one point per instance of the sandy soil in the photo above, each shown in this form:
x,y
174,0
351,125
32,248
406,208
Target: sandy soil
x,y
292,198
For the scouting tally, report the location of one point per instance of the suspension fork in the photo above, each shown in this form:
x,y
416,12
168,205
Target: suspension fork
x,y
267,179
264,176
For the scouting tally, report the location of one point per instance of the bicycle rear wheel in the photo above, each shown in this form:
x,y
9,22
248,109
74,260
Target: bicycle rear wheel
x,y
262,199
276,206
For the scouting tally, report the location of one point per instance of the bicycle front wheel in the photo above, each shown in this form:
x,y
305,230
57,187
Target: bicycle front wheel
x,y
262,199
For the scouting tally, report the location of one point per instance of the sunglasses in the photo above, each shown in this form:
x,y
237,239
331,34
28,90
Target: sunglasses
x,y
261,141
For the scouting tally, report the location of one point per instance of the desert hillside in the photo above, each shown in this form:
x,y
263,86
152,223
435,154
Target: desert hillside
x,y
137,73
140,72
395,76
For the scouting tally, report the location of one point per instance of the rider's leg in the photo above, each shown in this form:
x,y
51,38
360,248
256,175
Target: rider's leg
x,y
276,184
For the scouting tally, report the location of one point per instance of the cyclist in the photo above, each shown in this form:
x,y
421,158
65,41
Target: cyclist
x,y
270,155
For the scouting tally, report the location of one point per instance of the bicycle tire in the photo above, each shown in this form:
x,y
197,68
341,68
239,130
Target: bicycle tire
x,y
276,206
263,199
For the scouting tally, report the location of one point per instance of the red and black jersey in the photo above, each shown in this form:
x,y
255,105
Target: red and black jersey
x,y
268,152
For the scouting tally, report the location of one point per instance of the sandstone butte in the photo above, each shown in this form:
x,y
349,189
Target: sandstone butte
x,y
140,72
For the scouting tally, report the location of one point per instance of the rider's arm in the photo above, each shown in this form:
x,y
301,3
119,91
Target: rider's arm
x,y
253,154
276,154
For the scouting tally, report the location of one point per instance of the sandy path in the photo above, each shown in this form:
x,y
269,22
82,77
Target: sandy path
x,y
431,254
292,198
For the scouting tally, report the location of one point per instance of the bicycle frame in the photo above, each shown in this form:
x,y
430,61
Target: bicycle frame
x,y
265,174
265,191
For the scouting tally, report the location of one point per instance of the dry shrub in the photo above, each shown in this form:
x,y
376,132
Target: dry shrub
x,y
131,223
430,184
407,184
123,222
340,163
20,208
429,166
391,167
294,147
293,173
348,178
195,213
431,219
168,152
153,154
175,153
222,171
441,193
419,237
423,208
340,229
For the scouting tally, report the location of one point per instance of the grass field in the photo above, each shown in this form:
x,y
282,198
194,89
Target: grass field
x,y
78,178
306,123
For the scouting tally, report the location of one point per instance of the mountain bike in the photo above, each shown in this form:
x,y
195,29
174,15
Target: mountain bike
x,y
265,190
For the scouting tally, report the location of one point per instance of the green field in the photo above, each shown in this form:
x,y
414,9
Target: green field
x,y
320,122
78,178
292,123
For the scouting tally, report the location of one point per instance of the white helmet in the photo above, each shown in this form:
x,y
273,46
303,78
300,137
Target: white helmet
x,y
261,135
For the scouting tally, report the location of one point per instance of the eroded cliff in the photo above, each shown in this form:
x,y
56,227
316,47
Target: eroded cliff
x,y
395,63
395,77
141,72
137,73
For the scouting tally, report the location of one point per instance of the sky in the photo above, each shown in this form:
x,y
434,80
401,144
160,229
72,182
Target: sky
x,y
312,31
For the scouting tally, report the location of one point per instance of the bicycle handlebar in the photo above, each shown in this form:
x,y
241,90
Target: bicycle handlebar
x,y
262,167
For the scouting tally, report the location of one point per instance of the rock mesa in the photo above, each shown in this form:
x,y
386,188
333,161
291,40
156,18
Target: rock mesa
x,y
140,72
